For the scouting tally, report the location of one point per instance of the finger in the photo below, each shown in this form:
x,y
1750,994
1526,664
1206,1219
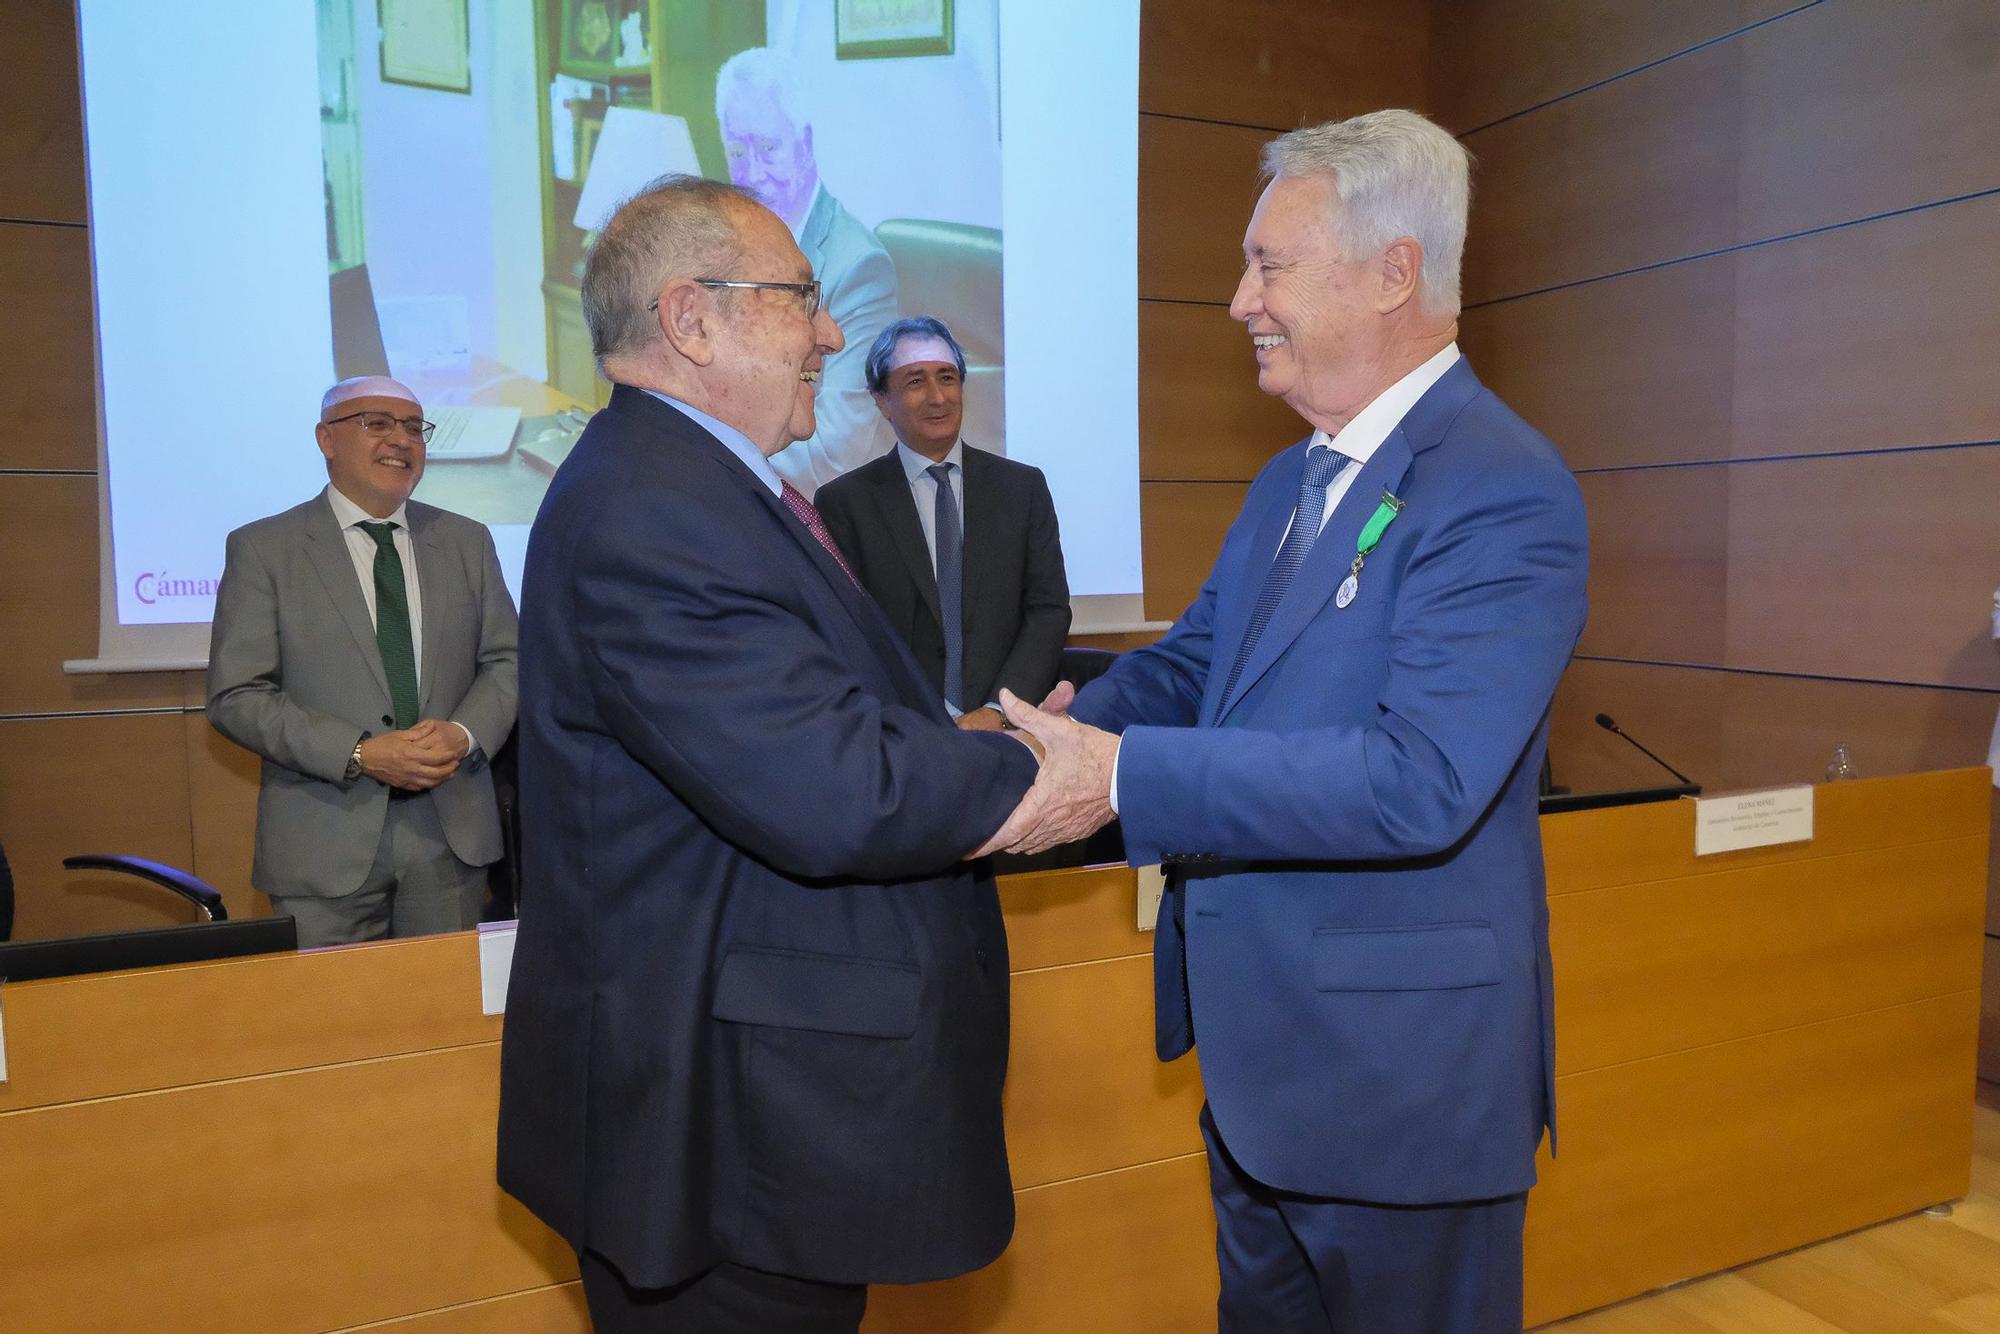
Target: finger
x,y
1057,701
1027,717
1012,829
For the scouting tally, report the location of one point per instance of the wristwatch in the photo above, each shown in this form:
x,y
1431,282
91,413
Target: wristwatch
x,y
354,761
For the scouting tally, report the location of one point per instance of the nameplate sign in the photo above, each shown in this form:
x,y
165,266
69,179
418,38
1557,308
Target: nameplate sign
x,y
496,965
1152,884
3,1043
1739,820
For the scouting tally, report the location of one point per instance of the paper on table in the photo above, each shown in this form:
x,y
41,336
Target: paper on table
x,y
496,965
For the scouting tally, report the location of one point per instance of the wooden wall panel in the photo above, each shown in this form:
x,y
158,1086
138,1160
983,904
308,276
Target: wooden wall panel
x,y
1201,416
68,786
1658,544
1734,729
1729,950
1197,185
1090,1097
371,1235
1877,566
1494,58
558,1309
1864,337
1648,1147
1078,916
41,113
48,378
1629,371
1181,526
1266,62
1129,1252
48,604
1843,110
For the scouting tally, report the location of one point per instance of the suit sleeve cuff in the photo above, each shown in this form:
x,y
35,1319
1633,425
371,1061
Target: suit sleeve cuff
x,y
1116,755
471,742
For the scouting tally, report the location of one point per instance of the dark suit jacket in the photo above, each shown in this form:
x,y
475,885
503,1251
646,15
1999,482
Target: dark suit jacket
x,y
759,1006
1015,609
1357,923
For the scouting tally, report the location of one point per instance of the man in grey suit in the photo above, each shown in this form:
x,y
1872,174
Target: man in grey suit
x,y
364,646
769,144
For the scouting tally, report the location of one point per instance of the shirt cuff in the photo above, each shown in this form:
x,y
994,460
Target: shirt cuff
x,y
471,742
1116,756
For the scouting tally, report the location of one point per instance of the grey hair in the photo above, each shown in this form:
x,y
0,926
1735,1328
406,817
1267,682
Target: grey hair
x,y
677,226
916,326
1395,173
766,76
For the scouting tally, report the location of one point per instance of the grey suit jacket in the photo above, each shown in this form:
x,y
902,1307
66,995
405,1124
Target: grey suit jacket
x,y
294,674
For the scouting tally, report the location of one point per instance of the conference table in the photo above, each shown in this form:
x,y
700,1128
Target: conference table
x,y
1755,1050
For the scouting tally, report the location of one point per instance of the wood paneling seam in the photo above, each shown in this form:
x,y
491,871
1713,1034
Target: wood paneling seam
x,y
1082,963
137,711
1760,1036
1114,1171
410,1316
1929,448
1787,676
1725,868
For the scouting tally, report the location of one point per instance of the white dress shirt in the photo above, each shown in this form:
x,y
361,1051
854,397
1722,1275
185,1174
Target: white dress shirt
x,y
1358,440
361,551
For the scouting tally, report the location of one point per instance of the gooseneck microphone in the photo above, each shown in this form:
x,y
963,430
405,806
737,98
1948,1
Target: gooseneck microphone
x,y
1604,720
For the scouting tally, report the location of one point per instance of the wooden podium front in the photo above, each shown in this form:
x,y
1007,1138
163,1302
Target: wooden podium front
x,y
1755,1050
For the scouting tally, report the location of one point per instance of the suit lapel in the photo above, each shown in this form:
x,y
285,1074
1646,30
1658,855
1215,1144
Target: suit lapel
x,y
1328,562
326,548
430,554
979,522
898,506
1238,588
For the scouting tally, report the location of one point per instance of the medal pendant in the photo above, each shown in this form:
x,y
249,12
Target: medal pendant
x,y
1345,593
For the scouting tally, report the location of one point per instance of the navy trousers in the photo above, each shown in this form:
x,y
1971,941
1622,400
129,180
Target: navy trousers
x,y
1301,1264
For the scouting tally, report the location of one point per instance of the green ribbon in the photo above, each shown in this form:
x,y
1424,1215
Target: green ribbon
x,y
1378,524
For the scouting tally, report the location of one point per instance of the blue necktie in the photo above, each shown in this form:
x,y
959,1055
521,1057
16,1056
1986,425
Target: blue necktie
x,y
1322,466
950,583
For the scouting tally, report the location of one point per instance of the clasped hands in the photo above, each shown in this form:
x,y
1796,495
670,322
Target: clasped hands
x,y
416,758
1071,796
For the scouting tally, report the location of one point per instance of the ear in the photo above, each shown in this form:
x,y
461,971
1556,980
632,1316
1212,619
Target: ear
x,y
687,320
1402,265
881,402
324,435
806,142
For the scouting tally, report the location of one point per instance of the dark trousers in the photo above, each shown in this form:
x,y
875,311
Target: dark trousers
x,y
728,1299
1301,1264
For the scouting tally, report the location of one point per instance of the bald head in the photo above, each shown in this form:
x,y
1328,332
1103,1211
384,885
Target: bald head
x,y
677,227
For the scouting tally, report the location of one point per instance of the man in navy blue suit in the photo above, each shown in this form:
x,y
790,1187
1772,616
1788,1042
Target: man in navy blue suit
x,y
757,1026
1335,752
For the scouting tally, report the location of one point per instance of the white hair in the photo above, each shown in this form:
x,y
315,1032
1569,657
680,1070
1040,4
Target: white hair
x,y
1395,174
764,75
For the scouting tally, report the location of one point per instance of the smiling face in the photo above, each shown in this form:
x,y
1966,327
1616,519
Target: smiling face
x,y
924,401
768,155
1312,315
767,351
375,471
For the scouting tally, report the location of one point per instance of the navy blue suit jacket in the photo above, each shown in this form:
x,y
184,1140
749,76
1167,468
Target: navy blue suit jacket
x,y
1357,932
759,1006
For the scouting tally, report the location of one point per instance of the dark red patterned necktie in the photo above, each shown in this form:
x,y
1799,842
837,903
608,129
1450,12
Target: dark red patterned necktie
x,y
807,515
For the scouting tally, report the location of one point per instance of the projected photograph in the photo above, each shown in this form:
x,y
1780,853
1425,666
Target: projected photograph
x,y
456,229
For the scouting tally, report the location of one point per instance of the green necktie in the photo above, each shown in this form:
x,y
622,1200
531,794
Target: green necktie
x,y
392,623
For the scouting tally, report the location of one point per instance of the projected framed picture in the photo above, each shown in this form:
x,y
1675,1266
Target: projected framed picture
x,y
605,39
873,29
425,44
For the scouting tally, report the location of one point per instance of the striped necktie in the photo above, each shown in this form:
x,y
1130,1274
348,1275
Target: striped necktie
x,y
392,624
950,565
1323,464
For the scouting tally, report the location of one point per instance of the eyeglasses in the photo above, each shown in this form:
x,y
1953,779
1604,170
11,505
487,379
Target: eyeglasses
x,y
806,292
381,423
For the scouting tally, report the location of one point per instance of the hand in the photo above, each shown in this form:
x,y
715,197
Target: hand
x,y
1071,798
1058,700
417,758
985,719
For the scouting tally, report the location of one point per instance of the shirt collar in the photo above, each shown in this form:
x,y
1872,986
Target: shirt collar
x,y
1362,436
732,440
915,463
346,513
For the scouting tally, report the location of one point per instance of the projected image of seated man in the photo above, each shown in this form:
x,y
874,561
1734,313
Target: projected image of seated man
x,y
769,145
364,647
959,545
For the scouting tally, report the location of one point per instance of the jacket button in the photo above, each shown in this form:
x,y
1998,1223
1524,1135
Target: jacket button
x,y
388,720
980,955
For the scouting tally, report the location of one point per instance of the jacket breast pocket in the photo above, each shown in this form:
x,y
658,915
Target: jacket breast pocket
x,y
1447,956
820,993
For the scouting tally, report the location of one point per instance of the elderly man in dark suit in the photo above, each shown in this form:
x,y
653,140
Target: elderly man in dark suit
x,y
958,545
757,1026
363,645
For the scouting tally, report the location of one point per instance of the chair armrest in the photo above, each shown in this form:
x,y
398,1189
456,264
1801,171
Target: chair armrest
x,y
198,892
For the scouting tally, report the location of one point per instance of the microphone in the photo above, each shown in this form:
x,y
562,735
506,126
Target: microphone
x,y
1604,720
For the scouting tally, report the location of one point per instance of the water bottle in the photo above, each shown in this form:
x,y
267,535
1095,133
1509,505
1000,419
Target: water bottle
x,y
1842,766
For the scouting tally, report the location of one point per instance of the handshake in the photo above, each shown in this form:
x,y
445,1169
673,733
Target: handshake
x,y
1071,796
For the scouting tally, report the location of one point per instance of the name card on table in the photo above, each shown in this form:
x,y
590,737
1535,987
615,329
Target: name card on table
x,y
3,1046
1739,820
496,965
1152,884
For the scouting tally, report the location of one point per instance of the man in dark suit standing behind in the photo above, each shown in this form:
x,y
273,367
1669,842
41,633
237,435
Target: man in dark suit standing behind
x,y
958,545
757,1026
